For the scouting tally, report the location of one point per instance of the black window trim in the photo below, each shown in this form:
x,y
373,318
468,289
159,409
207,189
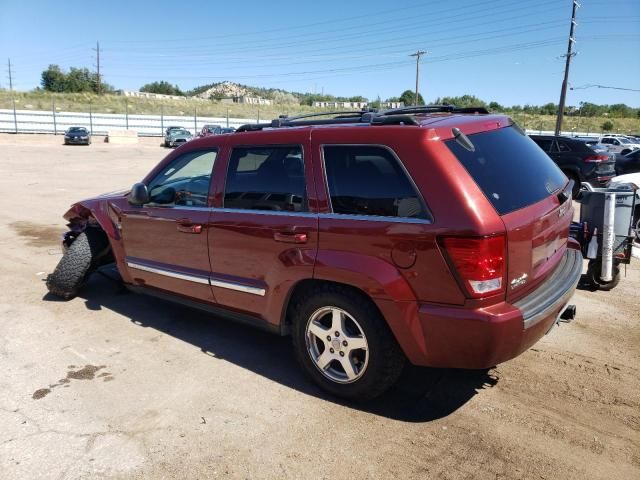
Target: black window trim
x,y
265,212
378,218
186,207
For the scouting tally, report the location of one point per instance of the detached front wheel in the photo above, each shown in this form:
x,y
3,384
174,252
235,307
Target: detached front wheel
x,y
77,262
344,344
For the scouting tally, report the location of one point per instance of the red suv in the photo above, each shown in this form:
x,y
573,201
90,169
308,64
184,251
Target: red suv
x,y
435,235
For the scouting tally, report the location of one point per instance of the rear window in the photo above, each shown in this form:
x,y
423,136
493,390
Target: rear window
x,y
511,170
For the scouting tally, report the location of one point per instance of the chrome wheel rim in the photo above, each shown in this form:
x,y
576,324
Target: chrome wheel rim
x,y
337,345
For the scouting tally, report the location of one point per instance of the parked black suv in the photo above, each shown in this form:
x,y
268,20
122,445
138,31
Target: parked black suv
x,y
577,160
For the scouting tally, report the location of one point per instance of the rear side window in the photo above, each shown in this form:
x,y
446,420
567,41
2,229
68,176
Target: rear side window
x,y
266,178
509,168
368,180
563,147
544,144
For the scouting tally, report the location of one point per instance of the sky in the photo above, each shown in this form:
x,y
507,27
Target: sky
x,y
509,51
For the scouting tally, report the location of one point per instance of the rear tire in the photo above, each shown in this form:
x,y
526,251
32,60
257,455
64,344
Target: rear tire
x,y
374,358
594,270
77,263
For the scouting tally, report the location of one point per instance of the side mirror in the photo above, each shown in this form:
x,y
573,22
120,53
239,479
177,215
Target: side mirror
x,y
139,194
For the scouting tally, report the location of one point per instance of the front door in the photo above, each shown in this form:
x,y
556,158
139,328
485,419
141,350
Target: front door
x,y
165,240
263,239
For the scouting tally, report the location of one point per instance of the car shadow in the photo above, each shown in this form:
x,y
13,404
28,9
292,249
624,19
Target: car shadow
x,y
586,284
421,395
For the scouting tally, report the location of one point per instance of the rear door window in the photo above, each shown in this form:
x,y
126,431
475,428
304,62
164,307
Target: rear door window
x,y
563,147
544,144
509,168
368,180
266,178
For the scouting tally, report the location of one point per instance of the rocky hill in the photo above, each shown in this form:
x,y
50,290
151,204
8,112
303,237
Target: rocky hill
x,y
223,90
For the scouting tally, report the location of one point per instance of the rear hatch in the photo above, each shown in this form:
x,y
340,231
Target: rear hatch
x,y
531,195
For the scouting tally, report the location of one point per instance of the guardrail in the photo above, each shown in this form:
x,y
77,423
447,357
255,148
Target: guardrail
x,y
42,121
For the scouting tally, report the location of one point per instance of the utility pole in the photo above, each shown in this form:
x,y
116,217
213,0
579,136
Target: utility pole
x,y
569,55
418,54
10,76
97,49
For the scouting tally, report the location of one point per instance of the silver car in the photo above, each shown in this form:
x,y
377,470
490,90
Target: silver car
x,y
177,137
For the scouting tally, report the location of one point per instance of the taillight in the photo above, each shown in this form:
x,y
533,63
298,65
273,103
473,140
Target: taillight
x,y
480,263
596,158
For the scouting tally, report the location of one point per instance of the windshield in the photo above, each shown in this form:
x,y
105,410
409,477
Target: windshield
x,y
77,130
180,132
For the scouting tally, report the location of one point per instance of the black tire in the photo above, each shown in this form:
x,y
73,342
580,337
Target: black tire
x,y
77,263
594,270
576,184
386,360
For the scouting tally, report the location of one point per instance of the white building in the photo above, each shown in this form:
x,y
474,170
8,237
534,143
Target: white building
x,y
351,105
132,93
248,100
392,105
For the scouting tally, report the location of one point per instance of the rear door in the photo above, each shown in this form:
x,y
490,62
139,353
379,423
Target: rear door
x,y
529,192
264,238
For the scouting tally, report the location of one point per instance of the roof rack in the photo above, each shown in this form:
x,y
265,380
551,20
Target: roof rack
x,y
436,109
398,116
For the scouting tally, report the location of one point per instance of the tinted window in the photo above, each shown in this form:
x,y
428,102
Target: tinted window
x,y
543,143
563,147
185,181
367,180
266,178
509,168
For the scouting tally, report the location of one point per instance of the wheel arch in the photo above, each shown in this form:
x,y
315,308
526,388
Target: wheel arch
x,y
401,316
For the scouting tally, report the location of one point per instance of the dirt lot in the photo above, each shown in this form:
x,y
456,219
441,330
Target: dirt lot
x,y
117,385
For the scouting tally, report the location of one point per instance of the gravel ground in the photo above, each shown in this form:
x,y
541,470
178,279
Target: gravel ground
x,y
118,385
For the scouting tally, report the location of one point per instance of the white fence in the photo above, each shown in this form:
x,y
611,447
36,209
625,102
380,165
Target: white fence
x,y
46,121
38,121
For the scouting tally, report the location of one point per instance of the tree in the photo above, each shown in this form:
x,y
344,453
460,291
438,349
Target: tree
x,y
408,97
163,88
549,109
496,107
53,79
463,101
607,126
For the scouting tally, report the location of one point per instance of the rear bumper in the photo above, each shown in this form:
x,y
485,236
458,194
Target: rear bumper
x,y
456,337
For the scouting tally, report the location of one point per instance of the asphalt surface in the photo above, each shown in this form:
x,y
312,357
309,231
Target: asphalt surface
x,y
117,385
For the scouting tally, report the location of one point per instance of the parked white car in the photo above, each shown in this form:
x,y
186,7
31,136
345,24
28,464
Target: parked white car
x,y
618,144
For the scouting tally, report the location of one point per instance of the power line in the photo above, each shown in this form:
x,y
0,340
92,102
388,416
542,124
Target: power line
x,y
570,54
604,86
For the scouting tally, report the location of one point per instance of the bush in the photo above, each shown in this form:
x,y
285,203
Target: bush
x,y
607,126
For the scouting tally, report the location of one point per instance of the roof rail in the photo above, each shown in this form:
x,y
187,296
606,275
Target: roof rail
x,y
398,116
435,109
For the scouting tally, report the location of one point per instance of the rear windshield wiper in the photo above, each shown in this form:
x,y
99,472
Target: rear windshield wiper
x,y
463,140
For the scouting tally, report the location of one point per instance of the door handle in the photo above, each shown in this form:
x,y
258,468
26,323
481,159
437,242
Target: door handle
x,y
290,237
190,228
